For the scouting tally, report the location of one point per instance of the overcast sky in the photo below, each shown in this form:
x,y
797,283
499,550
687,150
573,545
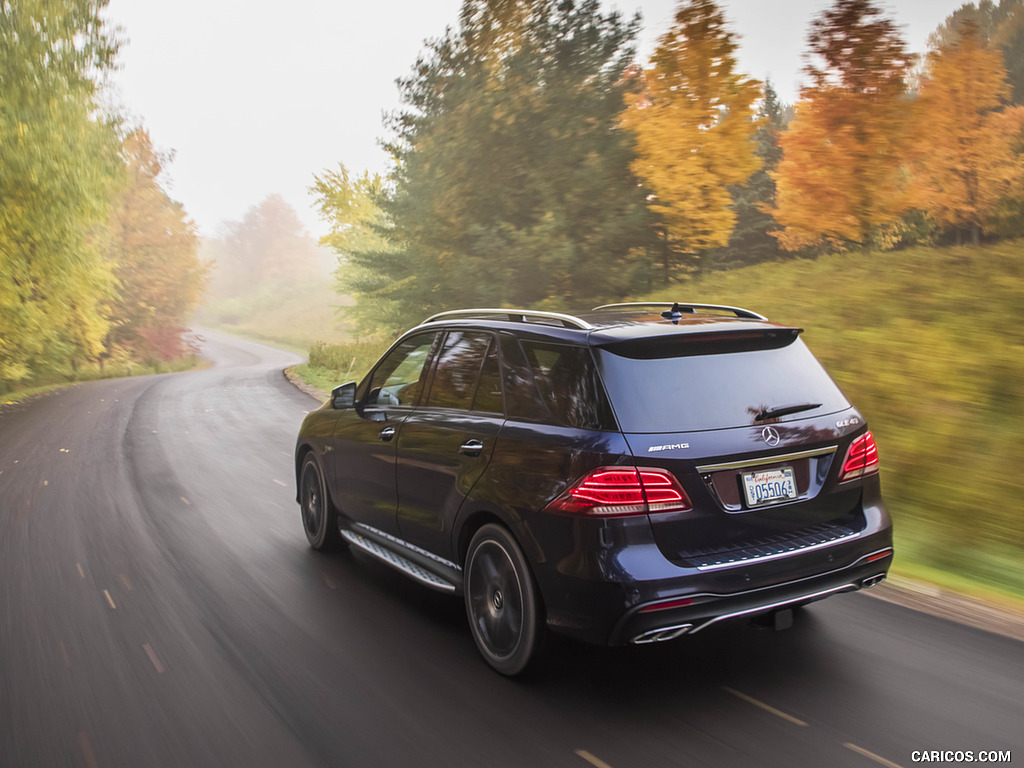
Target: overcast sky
x,y
254,97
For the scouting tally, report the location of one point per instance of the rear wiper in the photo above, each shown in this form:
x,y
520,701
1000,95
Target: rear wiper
x,y
785,410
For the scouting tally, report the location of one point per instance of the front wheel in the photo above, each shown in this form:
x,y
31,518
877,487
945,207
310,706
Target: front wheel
x,y
319,519
501,601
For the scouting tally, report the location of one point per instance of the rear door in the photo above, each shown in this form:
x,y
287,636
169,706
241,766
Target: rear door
x,y
753,433
446,443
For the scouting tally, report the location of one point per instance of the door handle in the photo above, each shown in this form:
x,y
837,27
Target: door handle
x,y
471,447
387,433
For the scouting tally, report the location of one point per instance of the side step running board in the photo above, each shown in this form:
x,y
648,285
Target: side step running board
x,y
396,561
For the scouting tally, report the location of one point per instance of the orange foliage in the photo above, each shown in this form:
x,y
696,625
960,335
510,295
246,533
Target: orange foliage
x,y
153,248
840,176
966,159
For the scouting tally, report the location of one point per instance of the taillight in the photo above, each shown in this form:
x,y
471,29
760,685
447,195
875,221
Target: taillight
x,y
623,491
861,459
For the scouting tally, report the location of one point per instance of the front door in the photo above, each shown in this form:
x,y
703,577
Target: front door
x,y
362,467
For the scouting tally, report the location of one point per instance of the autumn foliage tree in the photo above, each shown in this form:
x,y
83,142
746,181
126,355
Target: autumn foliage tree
x,y
967,155
153,247
840,178
58,166
1000,26
693,118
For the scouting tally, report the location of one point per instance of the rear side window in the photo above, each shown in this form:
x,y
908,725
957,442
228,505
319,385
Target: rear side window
x,y
466,375
555,383
717,391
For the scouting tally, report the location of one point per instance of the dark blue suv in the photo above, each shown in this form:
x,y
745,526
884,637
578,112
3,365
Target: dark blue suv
x,y
628,475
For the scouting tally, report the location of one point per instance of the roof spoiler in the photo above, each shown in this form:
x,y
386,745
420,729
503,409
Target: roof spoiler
x,y
676,309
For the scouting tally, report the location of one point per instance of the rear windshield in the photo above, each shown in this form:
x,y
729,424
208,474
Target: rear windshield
x,y
680,394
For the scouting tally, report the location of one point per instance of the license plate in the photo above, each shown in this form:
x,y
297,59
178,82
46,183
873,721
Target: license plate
x,y
769,486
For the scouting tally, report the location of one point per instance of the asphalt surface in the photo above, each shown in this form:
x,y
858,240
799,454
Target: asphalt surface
x,y
159,606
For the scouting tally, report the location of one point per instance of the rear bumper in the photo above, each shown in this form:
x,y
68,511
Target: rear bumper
x,y
613,586
646,623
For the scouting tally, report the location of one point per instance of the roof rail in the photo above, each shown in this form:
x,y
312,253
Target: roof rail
x,y
681,308
513,315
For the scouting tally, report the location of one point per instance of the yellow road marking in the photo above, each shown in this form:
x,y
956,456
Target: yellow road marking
x,y
126,582
110,599
594,761
87,754
65,657
872,756
153,658
80,571
187,502
765,707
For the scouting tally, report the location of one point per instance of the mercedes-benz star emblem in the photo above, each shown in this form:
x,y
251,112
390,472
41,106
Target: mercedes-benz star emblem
x,y
771,436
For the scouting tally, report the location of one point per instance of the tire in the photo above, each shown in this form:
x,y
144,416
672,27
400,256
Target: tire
x,y
319,518
502,602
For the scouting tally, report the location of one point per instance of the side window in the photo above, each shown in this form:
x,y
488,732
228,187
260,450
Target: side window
x,y
466,376
398,380
569,386
488,392
521,394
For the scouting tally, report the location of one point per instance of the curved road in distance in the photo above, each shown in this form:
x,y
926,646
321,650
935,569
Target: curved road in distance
x,y
159,606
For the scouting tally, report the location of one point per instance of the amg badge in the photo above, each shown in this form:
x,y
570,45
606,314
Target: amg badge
x,y
673,447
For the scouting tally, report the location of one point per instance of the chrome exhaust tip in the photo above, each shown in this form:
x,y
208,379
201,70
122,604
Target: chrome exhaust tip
x,y
871,581
660,635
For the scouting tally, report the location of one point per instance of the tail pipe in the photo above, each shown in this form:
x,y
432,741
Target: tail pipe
x,y
871,581
664,633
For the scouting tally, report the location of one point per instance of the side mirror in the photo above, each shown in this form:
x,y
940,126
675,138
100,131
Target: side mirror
x,y
344,396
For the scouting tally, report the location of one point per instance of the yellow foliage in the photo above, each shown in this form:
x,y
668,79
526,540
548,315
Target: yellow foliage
x,y
966,160
694,126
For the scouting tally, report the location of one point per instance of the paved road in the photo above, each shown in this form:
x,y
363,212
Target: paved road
x,y
159,607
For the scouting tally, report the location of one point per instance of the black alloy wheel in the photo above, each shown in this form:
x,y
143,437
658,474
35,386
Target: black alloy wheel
x,y
319,519
501,601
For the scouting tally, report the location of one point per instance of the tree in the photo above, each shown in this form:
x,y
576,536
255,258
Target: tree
x,y
268,247
840,178
1000,26
369,264
153,247
693,118
751,240
967,157
1009,37
58,168
511,180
